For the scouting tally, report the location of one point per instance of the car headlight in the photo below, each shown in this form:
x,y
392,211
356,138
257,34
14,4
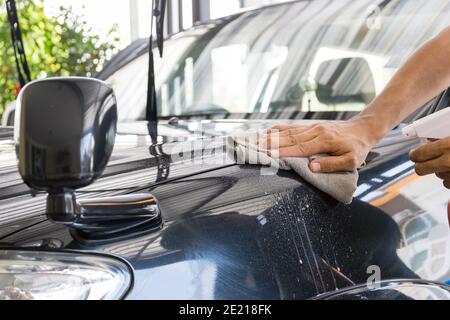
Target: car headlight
x,y
43,275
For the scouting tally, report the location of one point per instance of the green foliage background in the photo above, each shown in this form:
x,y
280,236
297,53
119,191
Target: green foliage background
x,y
55,46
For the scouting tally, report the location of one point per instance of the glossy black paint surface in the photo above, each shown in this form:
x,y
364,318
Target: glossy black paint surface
x,y
64,139
229,232
232,233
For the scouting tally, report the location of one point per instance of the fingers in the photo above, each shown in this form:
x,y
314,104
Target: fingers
x,y
281,141
430,151
343,163
341,141
438,165
271,133
447,185
275,141
434,158
446,177
443,175
301,150
282,128
299,141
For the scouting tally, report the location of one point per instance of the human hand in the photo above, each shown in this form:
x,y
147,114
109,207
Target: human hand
x,y
434,158
347,143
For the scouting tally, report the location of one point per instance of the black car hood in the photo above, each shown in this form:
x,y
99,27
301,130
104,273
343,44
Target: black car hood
x,y
135,152
136,163
248,236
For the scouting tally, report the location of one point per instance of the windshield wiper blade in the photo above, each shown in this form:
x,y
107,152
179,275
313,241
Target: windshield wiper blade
x,y
158,12
23,69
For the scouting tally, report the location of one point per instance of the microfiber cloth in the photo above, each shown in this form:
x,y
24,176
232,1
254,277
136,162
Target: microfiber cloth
x,y
340,186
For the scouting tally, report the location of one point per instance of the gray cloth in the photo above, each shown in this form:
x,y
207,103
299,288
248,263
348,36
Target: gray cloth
x,y
340,186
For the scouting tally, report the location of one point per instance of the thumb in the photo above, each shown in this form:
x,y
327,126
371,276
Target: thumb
x,y
333,164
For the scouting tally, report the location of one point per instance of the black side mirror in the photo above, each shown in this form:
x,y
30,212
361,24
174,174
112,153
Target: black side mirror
x,y
65,131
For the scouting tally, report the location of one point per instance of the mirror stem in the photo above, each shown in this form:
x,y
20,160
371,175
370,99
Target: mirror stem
x,y
62,206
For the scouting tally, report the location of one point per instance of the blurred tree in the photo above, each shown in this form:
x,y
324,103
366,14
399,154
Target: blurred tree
x,y
55,46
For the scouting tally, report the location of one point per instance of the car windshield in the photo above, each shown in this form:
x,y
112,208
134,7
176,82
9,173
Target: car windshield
x,y
303,56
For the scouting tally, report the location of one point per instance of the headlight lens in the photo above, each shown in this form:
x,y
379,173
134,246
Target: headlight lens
x,y
27,275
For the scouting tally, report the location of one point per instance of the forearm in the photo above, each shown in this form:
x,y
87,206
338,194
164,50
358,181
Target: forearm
x,y
424,75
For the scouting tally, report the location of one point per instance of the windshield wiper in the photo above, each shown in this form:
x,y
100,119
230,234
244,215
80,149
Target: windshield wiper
x,y
158,12
19,50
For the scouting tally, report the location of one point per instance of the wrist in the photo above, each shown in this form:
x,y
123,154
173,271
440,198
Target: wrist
x,y
372,126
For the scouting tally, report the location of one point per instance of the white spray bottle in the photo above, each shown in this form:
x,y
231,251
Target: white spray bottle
x,y
435,126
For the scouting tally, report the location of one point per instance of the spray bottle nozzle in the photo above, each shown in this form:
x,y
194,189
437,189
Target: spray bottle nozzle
x,y
410,131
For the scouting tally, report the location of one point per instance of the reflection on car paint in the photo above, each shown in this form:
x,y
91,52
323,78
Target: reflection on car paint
x,y
418,205
196,277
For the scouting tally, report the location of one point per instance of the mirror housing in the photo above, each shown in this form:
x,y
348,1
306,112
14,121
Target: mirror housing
x,y
65,132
